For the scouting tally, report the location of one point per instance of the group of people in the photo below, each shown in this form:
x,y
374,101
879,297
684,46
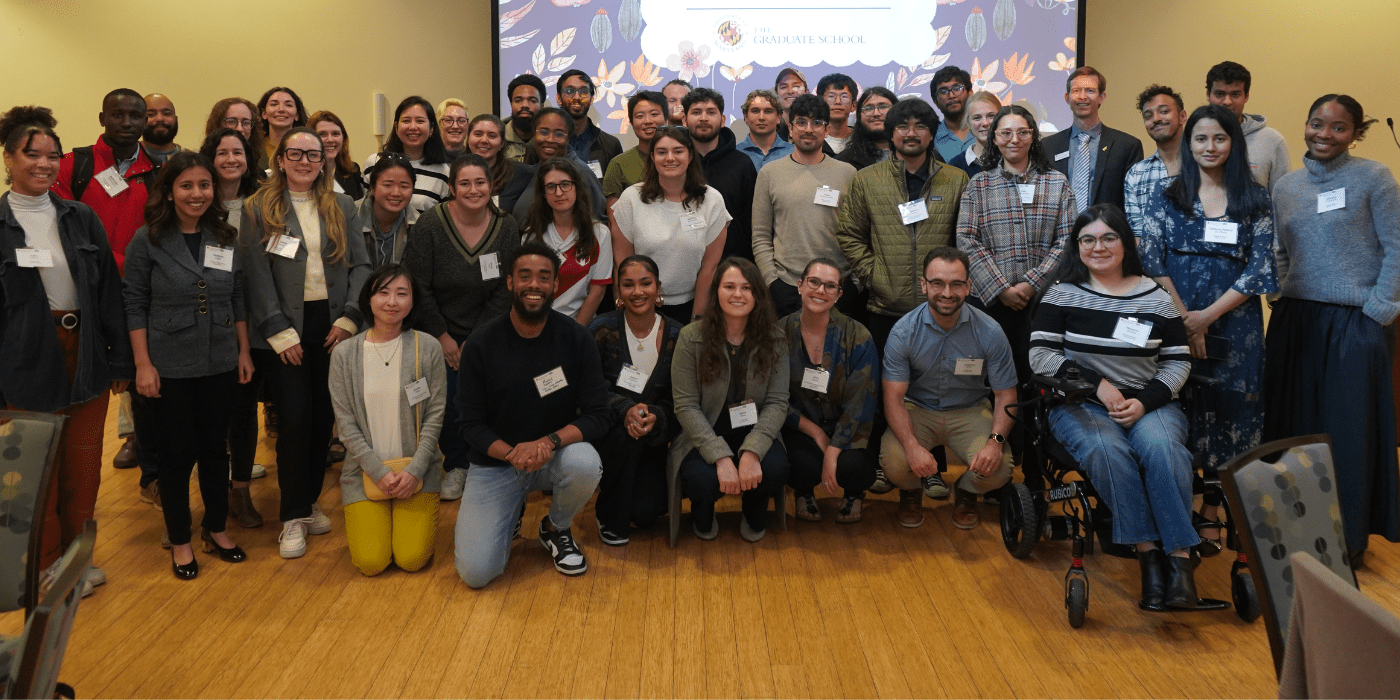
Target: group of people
x,y
492,307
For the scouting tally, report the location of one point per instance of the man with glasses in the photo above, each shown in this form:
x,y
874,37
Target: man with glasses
x,y
939,361
727,170
553,129
794,210
589,143
868,144
763,114
1093,156
950,88
1163,115
526,93
839,91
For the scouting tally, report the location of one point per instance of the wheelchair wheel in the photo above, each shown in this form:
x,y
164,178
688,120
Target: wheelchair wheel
x,y
1245,598
1077,601
1020,523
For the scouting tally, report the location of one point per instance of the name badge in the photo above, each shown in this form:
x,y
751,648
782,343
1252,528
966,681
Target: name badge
x,y
490,266
1227,232
218,258
913,212
551,381
1027,193
417,391
34,257
742,414
632,379
285,246
597,168
1336,199
692,222
1133,331
827,197
1061,155
815,379
112,181
968,367
496,200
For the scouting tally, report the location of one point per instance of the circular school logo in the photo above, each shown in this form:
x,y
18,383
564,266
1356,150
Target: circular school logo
x,y
730,33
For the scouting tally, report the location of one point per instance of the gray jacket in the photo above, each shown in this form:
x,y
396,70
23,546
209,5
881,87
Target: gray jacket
x,y
347,384
274,283
187,307
698,407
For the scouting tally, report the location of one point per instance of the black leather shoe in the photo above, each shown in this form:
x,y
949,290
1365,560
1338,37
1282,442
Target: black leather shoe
x,y
1181,584
1154,579
184,572
232,555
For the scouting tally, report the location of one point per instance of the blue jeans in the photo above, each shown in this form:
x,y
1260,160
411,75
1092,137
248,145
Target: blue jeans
x,y
1143,473
493,498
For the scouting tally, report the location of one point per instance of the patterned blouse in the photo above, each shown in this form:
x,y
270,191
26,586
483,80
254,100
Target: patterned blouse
x,y
846,411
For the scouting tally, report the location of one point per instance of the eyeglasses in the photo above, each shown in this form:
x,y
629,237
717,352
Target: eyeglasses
x,y
297,153
803,123
561,186
235,122
946,91
455,121
576,91
871,109
1017,134
557,134
837,98
920,129
940,285
1108,240
828,287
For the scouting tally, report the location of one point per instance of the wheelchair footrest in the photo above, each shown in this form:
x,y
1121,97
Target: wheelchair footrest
x,y
1202,604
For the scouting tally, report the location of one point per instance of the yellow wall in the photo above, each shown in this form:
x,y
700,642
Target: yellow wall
x,y
67,54
1296,51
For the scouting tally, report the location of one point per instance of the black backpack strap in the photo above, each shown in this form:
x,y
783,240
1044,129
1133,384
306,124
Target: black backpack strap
x,y
83,163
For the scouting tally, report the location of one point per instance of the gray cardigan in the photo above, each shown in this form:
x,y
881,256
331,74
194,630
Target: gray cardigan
x,y
698,407
347,384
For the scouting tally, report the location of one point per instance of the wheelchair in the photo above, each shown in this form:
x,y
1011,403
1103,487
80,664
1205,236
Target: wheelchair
x,y
1082,517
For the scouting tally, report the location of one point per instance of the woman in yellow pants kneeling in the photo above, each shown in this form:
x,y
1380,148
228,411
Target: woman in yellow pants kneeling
x,y
389,390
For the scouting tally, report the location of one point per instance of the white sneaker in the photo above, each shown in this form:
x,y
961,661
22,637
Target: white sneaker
x,y
319,523
453,484
47,577
292,541
96,576
259,471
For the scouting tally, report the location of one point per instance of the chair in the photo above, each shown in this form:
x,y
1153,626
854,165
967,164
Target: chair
x,y
40,650
1284,495
673,493
29,445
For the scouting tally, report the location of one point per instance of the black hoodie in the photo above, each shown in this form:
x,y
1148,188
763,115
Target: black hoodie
x,y
731,172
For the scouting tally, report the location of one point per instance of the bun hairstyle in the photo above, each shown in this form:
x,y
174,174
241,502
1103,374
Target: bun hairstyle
x,y
21,123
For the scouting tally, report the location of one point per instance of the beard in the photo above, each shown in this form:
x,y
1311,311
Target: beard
x,y
525,314
523,122
1162,139
865,133
160,134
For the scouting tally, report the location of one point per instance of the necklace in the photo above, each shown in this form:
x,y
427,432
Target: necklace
x,y
375,347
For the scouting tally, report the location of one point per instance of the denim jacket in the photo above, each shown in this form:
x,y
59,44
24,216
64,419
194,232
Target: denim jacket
x,y
32,373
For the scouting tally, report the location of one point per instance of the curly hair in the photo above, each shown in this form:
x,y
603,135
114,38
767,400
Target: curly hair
x,y
21,124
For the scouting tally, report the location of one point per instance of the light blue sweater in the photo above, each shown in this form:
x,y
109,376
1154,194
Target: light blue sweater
x,y
1348,256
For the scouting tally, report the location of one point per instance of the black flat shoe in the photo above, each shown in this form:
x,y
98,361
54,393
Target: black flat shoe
x,y
1209,546
232,555
1154,579
184,572
1181,584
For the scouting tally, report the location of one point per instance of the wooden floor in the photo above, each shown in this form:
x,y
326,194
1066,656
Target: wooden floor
x,y
821,610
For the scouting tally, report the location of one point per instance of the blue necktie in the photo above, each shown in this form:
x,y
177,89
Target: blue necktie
x,y
1080,168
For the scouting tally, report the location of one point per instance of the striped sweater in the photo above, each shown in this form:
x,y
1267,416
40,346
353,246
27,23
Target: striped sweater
x,y
1076,323
430,184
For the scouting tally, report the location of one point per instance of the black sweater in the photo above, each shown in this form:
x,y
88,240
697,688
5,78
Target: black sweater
x,y
731,172
497,397
453,298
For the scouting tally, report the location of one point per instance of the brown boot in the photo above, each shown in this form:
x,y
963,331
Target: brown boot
x,y
911,507
126,455
965,509
240,506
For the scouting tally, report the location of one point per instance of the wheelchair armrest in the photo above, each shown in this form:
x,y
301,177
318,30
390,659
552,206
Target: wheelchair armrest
x,y
1195,379
1066,389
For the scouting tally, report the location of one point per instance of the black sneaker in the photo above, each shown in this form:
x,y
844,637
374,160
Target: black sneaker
x,y
882,483
515,532
611,537
568,558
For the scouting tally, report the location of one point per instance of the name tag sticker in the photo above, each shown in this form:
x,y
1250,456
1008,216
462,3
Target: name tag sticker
x,y
34,257
1227,232
692,222
1336,199
1061,155
968,367
551,381
1027,193
815,379
827,197
218,258
913,212
632,379
1133,331
112,181
490,267
597,168
496,200
417,391
285,246
743,414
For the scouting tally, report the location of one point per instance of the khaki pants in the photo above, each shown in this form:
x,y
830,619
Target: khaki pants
x,y
963,430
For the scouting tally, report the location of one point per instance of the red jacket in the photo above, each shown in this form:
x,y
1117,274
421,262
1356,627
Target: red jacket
x,y
120,215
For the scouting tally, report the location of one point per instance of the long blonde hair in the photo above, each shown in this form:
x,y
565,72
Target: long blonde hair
x,y
270,204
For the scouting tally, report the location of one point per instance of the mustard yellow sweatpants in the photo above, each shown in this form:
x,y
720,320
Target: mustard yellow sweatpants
x,y
399,531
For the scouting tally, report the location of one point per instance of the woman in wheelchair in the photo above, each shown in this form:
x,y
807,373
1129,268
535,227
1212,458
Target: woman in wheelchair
x,y
1122,331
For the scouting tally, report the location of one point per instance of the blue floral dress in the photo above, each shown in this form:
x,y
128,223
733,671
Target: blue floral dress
x,y
1228,419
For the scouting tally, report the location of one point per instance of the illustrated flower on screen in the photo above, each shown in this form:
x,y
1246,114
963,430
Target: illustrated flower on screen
x,y
644,72
621,116
983,79
607,81
692,62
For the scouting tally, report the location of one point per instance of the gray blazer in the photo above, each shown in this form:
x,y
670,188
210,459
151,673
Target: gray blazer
x,y
698,407
347,384
187,308
274,283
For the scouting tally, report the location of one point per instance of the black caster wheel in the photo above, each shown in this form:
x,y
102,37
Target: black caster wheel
x,y
1244,596
1076,601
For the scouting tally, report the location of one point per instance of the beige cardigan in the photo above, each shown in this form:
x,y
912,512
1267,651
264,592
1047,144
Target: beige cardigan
x,y
697,408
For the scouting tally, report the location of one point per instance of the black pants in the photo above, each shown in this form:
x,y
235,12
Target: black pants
x,y
787,300
146,435
680,311
192,417
304,414
454,447
243,425
855,469
700,483
633,487
1017,327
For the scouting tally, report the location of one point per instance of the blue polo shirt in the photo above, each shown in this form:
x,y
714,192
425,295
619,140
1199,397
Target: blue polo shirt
x,y
924,355
948,143
780,150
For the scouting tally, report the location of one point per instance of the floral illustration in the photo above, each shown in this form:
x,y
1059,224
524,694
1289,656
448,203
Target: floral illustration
x,y
607,82
983,78
644,72
691,62
1018,72
1061,62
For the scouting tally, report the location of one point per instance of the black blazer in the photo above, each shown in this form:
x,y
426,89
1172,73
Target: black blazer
x,y
1118,151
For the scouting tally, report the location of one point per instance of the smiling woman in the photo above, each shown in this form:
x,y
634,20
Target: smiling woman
x,y
418,136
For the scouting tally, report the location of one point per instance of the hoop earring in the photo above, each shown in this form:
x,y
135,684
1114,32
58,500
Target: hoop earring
x,y
660,301
618,303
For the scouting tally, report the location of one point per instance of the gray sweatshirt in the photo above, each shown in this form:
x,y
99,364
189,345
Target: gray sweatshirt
x,y
1348,255
1268,152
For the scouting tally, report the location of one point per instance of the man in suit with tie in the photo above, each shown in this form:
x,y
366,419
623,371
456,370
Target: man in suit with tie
x,y
1094,157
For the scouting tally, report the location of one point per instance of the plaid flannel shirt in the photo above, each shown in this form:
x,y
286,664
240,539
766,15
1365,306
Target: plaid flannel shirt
x,y
1009,242
1137,189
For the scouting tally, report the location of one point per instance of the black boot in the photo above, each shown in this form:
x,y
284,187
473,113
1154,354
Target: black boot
x,y
1154,579
1181,583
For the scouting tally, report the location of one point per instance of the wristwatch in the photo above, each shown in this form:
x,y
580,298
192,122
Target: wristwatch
x,y
554,439
998,437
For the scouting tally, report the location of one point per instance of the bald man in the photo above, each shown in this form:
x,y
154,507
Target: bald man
x,y
161,126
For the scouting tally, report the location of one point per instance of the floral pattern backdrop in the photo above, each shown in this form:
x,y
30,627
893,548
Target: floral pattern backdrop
x,y
1021,50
